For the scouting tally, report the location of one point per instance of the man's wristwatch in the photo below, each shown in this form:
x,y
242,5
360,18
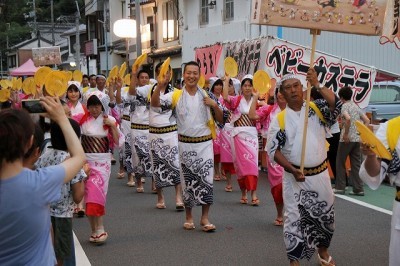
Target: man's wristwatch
x,y
319,86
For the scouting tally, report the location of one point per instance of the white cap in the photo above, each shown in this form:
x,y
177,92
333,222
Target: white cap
x,y
248,76
211,81
236,85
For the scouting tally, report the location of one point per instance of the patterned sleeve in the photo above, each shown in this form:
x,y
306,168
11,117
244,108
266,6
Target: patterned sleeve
x,y
263,112
80,176
276,139
329,116
222,107
166,101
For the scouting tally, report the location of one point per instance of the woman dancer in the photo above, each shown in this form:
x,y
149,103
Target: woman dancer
x,y
245,139
99,135
265,114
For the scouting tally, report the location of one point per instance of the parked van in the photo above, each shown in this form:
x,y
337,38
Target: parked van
x,y
384,102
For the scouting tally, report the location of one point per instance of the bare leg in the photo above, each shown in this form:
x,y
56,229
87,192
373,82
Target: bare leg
x,y
204,214
160,196
178,194
279,210
92,224
189,217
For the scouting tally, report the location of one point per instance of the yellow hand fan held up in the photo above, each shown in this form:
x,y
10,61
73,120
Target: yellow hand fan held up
x,y
29,86
231,67
113,73
261,81
139,61
77,75
40,76
4,95
56,83
369,138
127,79
164,68
122,70
202,81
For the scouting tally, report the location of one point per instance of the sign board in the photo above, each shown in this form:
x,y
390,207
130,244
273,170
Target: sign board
x,y
348,16
208,58
91,47
278,57
46,56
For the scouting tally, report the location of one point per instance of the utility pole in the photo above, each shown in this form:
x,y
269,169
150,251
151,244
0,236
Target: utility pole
x,y
138,32
77,45
105,34
37,35
53,42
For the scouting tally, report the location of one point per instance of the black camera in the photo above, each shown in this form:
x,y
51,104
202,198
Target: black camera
x,y
33,106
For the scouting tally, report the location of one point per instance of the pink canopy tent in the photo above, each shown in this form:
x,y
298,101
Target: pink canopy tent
x,y
26,69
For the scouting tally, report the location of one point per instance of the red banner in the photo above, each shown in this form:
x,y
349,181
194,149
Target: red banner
x,y
208,59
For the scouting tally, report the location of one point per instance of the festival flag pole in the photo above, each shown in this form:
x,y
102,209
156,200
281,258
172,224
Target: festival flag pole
x,y
314,33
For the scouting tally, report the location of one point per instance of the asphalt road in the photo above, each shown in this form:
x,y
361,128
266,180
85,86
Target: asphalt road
x,y
140,234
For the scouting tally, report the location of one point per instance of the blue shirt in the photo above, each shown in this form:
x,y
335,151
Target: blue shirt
x,y
24,216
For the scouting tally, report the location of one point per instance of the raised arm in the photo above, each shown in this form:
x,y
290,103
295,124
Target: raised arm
x,y
134,81
225,90
118,86
252,112
162,83
328,95
78,158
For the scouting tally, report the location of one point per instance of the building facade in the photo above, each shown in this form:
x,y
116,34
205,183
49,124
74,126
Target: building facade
x,y
207,22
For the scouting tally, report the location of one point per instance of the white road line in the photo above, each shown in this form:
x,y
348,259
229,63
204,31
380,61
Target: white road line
x,y
80,255
359,202
82,259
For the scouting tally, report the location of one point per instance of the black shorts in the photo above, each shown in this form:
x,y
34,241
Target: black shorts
x,y
62,229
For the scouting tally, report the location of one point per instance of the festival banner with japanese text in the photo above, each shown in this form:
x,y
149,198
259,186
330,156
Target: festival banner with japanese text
x,y
349,16
208,59
391,26
278,57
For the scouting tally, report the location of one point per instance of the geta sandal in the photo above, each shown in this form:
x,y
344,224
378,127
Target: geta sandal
x,y
189,226
243,200
228,188
161,205
255,202
278,222
328,262
208,228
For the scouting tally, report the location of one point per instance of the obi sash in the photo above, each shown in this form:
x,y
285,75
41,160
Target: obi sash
x,y
310,171
187,139
126,118
244,121
139,126
162,130
95,144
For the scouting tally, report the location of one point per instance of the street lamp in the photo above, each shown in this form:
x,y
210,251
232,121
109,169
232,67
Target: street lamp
x,y
125,28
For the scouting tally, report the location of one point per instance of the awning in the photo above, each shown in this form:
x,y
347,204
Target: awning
x,y
26,69
385,76
167,51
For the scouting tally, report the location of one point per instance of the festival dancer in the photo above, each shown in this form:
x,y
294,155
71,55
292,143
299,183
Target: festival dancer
x,y
99,134
227,167
164,151
245,139
195,110
216,89
308,196
264,115
140,104
374,170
